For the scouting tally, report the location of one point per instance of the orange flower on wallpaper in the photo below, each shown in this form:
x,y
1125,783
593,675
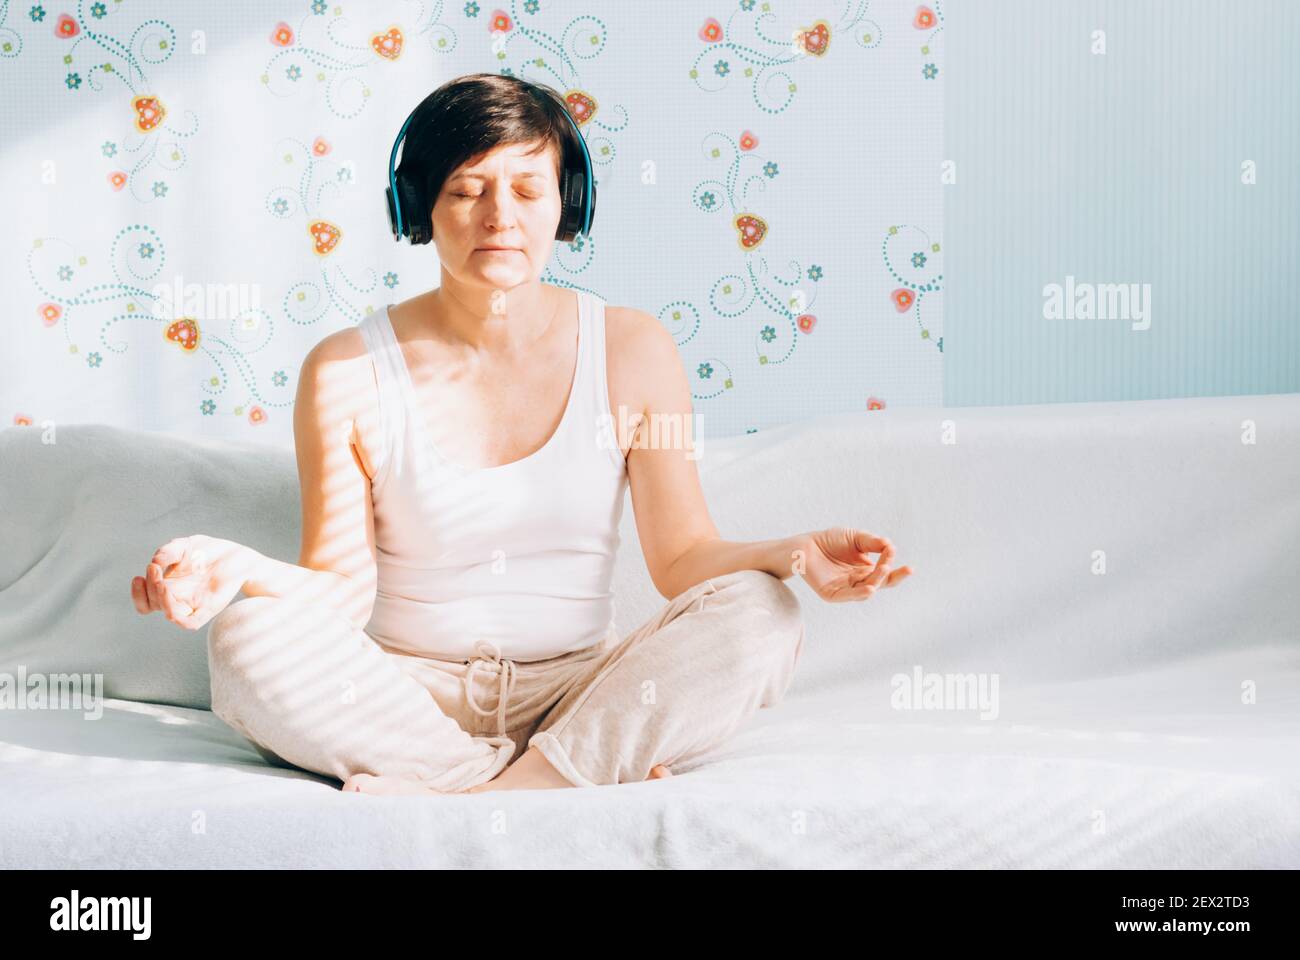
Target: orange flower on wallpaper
x,y
924,19
184,333
817,38
711,32
389,44
903,299
325,237
320,146
282,35
582,106
875,404
149,112
751,230
49,313
500,22
748,141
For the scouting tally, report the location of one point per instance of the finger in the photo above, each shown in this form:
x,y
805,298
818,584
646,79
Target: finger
x,y
184,591
138,596
865,542
861,592
173,551
878,574
153,586
859,574
898,576
845,592
173,608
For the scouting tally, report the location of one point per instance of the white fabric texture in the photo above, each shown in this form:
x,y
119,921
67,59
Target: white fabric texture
x,y
521,554
1147,717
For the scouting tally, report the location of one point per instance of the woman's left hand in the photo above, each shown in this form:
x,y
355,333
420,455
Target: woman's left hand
x,y
837,564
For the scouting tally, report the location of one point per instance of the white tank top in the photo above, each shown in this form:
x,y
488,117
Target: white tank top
x,y
521,554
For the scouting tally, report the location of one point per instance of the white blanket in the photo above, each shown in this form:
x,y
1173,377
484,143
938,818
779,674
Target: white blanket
x,y
1147,716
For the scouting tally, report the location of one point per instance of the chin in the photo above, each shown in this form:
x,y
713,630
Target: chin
x,y
502,272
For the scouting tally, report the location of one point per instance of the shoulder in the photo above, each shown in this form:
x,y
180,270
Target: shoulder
x,y
338,388
645,368
635,333
336,353
338,367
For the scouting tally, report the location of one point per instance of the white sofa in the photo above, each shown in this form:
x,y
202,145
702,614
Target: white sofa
x,y
1146,717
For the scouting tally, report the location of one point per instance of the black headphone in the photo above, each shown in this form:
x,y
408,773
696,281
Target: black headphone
x,y
577,191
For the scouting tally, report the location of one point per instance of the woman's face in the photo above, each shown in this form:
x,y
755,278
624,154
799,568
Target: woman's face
x,y
508,199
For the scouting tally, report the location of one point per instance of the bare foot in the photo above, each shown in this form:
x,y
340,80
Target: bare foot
x,y
368,783
535,773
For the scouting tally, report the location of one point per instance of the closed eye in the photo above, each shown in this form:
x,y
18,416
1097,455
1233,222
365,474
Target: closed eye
x,y
470,196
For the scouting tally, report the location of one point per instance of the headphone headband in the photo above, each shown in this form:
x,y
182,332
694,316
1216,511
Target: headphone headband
x,y
577,188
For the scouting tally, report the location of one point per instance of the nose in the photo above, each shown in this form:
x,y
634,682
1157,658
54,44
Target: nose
x,y
501,209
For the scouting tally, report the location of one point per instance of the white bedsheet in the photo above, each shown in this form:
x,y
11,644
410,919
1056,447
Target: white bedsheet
x,y
1121,737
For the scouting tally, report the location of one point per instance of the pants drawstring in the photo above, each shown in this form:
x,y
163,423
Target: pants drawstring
x,y
712,589
505,669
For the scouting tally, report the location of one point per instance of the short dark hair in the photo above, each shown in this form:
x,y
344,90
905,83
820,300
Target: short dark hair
x,y
468,116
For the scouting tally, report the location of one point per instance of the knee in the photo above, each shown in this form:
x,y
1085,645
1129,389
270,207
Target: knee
x,y
767,594
234,626
233,635
769,599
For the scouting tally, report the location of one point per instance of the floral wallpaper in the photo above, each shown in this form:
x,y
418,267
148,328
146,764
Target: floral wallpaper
x,y
194,194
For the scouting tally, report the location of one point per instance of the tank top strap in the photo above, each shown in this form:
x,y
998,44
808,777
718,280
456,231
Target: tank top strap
x,y
390,373
596,392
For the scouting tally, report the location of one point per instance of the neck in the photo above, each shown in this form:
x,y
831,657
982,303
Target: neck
x,y
486,318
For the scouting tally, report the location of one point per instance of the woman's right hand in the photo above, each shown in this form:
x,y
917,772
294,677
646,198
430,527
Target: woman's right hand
x,y
192,579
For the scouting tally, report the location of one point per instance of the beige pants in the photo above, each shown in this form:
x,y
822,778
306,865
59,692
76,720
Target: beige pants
x,y
311,690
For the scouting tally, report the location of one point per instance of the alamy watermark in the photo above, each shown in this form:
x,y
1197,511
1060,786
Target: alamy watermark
x,y
76,912
919,690
53,691
206,301
1098,301
658,431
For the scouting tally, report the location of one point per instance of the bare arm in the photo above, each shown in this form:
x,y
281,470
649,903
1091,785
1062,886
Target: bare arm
x,y
714,558
336,561
191,579
680,542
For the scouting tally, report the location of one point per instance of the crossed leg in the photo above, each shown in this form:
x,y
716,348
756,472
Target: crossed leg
x,y
672,690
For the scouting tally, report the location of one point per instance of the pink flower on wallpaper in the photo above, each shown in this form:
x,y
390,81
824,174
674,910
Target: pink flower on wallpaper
x,y
874,403
66,26
282,35
924,19
806,322
320,146
49,313
748,141
903,299
500,22
711,32
22,420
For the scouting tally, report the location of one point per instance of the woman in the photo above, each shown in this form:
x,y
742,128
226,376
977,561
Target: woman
x,y
463,474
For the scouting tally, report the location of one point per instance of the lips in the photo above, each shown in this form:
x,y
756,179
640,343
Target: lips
x,y
498,249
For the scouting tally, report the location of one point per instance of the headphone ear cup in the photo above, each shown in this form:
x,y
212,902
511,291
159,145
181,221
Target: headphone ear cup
x,y
566,205
571,212
415,216
392,213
